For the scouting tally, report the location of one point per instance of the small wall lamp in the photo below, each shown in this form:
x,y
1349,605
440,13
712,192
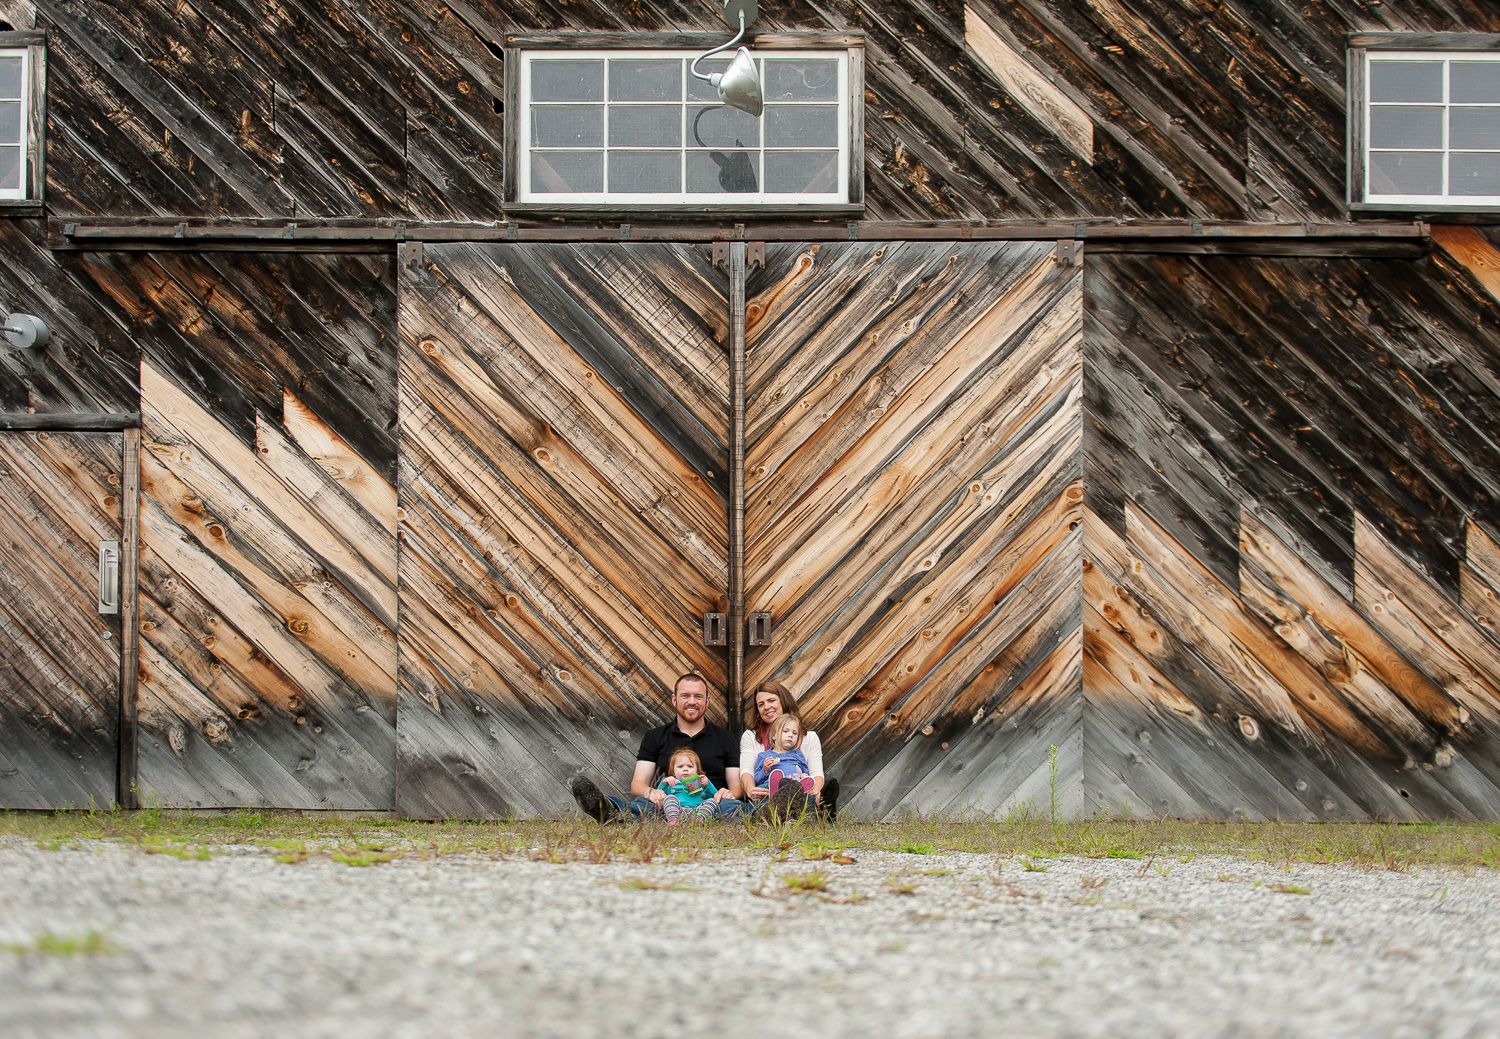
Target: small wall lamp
x,y
739,84
24,331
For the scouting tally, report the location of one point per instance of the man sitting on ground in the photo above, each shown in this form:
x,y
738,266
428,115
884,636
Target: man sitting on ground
x,y
713,745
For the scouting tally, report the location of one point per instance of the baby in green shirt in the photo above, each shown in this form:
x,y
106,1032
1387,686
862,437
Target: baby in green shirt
x,y
690,795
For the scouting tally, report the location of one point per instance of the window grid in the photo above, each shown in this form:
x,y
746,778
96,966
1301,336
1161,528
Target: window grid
x,y
1447,106
15,102
686,148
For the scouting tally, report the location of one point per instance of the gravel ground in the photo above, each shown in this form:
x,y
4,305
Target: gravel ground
x,y
897,945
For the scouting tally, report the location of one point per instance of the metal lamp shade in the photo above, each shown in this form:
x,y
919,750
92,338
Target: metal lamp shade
x,y
739,84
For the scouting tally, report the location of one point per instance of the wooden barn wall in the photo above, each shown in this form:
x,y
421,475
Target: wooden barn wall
x,y
92,363
563,492
267,569
914,491
977,111
1290,538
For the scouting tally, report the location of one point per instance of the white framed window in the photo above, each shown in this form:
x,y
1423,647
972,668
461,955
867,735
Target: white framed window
x,y
623,128
15,118
1428,131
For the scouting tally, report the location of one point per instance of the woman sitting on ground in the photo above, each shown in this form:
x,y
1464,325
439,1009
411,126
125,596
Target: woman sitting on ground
x,y
768,702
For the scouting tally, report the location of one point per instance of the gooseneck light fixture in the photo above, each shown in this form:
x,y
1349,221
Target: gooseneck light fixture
x,y
739,84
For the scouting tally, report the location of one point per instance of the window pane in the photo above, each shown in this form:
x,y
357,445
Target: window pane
x,y
810,79
1406,127
1406,81
1474,173
717,172
701,90
645,171
1406,173
645,126
802,172
1475,81
802,126
10,76
567,126
567,171
10,167
720,126
659,80
10,122
567,81
1474,128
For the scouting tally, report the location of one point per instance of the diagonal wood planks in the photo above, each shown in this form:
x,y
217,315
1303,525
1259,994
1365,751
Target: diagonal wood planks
x,y
1288,580
562,501
59,658
912,499
268,615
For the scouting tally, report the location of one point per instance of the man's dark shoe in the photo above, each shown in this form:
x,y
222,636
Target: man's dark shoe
x,y
591,802
829,805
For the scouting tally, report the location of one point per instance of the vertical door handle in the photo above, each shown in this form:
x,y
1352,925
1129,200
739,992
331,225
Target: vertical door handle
x,y
759,629
109,577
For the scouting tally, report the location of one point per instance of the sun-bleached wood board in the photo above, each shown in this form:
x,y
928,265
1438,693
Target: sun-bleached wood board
x,y
1188,680
563,527
268,615
59,657
913,451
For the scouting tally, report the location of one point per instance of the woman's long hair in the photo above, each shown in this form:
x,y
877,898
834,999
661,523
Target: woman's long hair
x,y
784,697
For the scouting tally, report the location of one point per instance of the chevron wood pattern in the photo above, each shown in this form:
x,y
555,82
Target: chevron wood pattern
x,y
912,502
60,495
562,489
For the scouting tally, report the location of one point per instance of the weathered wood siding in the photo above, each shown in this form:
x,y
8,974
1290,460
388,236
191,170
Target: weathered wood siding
x,y
977,111
268,560
92,362
60,495
1239,553
1290,479
563,527
913,493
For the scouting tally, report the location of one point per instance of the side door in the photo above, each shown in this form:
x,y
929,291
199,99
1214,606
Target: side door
x,y
913,493
60,497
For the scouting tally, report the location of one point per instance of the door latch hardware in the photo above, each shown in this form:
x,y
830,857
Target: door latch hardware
x,y
715,629
109,577
759,633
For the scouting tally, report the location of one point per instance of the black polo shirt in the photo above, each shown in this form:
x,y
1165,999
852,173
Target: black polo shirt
x,y
713,745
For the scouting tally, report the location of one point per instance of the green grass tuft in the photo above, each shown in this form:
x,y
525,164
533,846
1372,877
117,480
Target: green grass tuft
x,y
91,943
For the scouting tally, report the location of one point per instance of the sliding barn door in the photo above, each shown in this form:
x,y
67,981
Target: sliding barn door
x,y
913,499
562,491
60,496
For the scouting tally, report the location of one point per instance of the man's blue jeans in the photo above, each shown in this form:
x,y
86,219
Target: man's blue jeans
x,y
641,808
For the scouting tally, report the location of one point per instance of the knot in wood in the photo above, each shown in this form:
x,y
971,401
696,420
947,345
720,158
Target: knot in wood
x,y
1250,728
217,729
